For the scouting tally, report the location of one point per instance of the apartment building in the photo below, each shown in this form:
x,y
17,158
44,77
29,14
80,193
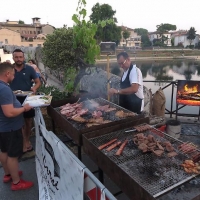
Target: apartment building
x,y
14,33
133,41
156,35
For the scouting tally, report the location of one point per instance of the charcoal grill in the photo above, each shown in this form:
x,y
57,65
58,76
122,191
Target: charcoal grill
x,y
139,175
75,129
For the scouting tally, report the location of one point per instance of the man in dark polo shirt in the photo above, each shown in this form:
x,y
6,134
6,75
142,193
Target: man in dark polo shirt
x,y
24,74
11,122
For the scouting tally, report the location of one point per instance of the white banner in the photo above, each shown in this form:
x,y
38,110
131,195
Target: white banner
x,y
59,175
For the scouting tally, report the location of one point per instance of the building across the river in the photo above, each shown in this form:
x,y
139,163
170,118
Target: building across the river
x,y
20,34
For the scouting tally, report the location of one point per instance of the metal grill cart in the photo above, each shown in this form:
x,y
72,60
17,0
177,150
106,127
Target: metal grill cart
x,y
75,129
139,175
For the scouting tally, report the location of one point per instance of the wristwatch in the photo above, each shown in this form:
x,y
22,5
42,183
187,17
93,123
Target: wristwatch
x,y
117,91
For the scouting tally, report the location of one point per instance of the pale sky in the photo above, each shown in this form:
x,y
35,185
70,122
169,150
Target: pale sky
x,y
134,14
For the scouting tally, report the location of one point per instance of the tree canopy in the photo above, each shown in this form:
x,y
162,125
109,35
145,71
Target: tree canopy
x,y
191,34
141,31
71,50
144,36
102,12
21,22
110,32
145,40
162,29
57,50
126,35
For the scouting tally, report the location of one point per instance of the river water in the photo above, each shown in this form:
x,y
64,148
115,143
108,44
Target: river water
x,y
170,70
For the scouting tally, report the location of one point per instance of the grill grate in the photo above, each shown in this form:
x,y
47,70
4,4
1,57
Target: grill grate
x,y
156,175
106,115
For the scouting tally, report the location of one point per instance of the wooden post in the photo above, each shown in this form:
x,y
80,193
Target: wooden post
x,y
108,75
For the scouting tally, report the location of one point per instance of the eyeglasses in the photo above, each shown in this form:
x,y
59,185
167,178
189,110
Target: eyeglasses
x,y
122,63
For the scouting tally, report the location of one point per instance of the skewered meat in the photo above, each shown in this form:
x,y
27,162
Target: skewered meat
x,y
113,146
187,148
172,154
182,146
121,148
196,158
157,132
108,143
143,127
158,152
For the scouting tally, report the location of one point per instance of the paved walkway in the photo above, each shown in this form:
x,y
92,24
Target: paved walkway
x,y
27,165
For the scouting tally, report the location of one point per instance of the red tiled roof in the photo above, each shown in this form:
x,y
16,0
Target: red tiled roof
x,y
156,32
126,28
3,24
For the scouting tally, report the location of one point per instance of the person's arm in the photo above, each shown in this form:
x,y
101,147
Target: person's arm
x,y
134,80
10,111
37,84
36,80
130,90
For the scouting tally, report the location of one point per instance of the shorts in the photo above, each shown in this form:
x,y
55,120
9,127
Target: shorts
x,y
12,143
38,75
30,113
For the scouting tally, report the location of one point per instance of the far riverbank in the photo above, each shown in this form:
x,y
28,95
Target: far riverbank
x,y
113,58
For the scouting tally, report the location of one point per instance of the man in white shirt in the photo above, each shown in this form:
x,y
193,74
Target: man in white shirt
x,y
131,94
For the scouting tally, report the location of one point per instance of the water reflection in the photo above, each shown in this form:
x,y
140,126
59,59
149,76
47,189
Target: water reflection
x,y
169,70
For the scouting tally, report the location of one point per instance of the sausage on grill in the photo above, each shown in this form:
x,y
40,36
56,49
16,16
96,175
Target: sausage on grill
x,y
121,148
113,146
105,145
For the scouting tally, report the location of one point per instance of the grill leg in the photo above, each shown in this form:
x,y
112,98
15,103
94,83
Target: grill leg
x,y
79,152
100,175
